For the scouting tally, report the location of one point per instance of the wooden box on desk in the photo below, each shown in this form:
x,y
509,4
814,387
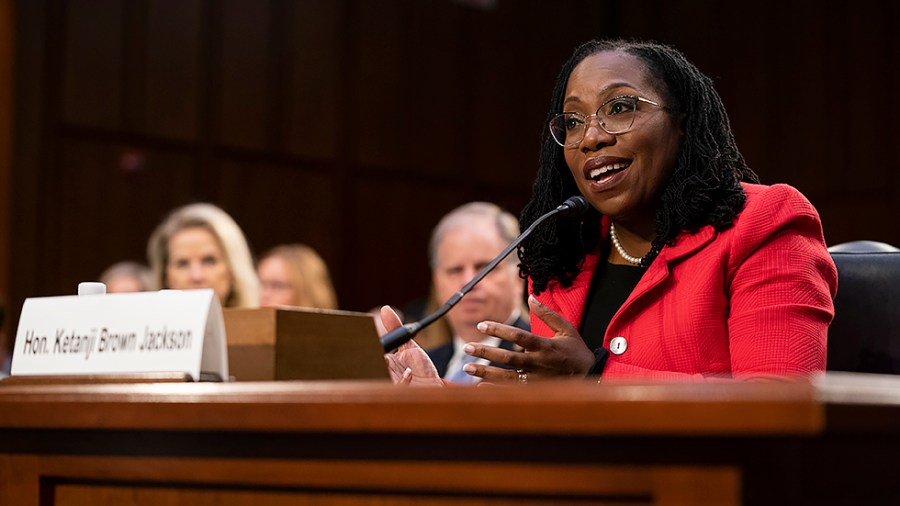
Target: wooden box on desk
x,y
268,344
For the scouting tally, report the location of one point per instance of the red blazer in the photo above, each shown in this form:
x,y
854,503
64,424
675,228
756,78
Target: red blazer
x,y
752,301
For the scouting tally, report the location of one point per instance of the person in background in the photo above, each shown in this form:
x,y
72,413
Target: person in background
x,y
201,246
126,277
295,275
684,268
462,244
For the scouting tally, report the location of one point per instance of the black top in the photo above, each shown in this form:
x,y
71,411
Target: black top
x,y
610,286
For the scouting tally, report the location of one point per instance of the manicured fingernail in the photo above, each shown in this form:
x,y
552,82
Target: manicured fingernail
x,y
532,298
468,349
469,368
407,373
481,326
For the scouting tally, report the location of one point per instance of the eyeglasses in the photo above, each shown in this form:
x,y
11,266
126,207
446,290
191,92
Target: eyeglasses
x,y
616,116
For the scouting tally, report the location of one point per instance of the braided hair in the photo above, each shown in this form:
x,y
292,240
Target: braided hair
x,y
703,189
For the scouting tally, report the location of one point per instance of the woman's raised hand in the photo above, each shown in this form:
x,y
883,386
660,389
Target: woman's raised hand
x,y
564,355
409,364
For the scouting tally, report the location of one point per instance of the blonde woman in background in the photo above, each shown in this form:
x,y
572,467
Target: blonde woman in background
x,y
295,275
201,246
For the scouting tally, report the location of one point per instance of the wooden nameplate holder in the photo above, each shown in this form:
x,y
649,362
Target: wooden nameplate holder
x,y
285,343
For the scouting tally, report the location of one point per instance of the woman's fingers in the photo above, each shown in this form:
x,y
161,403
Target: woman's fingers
x,y
408,364
491,374
553,320
421,368
565,354
396,368
515,335
388,321
497,355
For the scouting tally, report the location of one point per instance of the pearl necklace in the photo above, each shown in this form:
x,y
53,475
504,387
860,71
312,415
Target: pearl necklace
x,y
615,240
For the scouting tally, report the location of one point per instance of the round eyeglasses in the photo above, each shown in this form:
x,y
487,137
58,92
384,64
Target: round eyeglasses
x,y
616,116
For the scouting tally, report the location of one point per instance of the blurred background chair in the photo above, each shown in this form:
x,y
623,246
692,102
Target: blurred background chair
x,y
865,333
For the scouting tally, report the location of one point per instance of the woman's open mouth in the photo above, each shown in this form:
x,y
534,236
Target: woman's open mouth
x,y
604,171
607,171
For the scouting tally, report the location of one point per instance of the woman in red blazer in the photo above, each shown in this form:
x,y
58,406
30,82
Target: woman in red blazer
x,y
685,267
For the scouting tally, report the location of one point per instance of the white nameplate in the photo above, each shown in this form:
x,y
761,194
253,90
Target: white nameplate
x,y
168,331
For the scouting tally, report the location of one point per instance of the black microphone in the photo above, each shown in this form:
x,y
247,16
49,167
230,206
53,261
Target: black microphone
x,y
572,207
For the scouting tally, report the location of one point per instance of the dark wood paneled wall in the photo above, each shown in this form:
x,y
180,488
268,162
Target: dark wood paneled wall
x,y
353,125
6,119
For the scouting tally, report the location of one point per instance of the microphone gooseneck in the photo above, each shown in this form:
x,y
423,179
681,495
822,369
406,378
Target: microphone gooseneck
x,y
572,207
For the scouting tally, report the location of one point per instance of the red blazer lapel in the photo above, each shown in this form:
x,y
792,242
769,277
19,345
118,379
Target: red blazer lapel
x,y
659,270
569,301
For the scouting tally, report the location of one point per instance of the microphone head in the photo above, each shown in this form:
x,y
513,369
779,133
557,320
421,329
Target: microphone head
x,y
573,207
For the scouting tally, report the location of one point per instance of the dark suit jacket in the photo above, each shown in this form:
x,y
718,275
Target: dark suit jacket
x,y
442,354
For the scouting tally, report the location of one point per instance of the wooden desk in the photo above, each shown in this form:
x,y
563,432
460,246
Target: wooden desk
x,y
359,443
